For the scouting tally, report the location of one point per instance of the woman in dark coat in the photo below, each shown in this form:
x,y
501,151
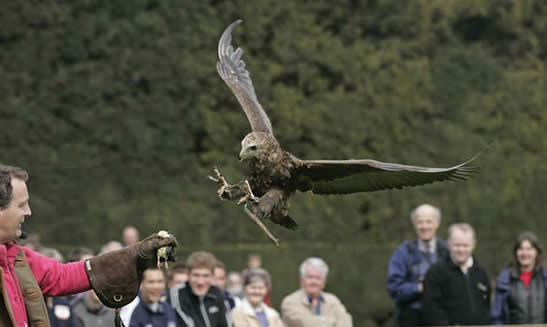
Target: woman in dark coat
x,y
521,289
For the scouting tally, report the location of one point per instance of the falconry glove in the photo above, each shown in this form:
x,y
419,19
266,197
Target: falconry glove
x,y
116,276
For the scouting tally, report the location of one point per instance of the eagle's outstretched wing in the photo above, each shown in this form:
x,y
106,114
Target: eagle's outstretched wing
x,y
232,70
352,176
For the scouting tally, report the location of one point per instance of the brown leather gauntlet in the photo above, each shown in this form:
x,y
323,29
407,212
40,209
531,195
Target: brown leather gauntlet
x,y
116,276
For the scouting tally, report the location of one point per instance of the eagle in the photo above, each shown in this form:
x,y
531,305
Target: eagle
x,y
276,174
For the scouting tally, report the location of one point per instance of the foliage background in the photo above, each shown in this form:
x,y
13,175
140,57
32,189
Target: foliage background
x,y
116,110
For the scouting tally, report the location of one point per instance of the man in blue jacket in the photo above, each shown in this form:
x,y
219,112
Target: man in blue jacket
x,y
410,262
151,311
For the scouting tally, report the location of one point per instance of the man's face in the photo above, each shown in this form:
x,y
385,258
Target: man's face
x,y
312,282
13,216
426,222
152,286
220,278
130,236
200,280
461,246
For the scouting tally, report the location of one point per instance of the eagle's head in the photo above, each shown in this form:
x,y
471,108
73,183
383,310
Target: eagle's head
x,y
258,146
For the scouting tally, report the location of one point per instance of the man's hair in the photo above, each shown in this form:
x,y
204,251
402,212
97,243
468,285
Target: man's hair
x,y
437,212
219,264
6,190
256,274
316,264
464,227
177,268
151,269
201,259
532,238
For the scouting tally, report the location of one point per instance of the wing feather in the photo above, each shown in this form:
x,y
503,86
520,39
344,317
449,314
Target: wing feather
x,y
352,176
232,70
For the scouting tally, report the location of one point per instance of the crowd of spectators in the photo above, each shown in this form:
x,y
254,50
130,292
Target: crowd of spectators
x,y
438,283
200,292
432,282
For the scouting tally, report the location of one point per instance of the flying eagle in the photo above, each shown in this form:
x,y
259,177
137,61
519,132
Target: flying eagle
x,y
277,174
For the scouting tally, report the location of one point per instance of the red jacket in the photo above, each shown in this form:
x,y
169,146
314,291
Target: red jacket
x,y
54,278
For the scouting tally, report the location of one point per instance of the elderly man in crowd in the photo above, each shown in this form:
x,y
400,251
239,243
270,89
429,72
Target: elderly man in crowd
x,y
457,289
410,262
310,306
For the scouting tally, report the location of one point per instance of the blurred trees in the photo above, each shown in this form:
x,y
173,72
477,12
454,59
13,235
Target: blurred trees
x,y
117,111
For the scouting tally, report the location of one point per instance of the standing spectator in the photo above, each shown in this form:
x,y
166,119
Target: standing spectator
x,y
254,261
220,282
253,312
198,303
310,306
130,236
151,311
410,262
177,274
521,289
457,289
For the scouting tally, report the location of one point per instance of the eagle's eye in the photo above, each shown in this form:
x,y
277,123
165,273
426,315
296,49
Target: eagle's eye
x,y
252,148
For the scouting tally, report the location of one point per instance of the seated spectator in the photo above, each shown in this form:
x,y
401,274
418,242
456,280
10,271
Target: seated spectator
x,y
410,262
198,302
253,312
234,284
177,274
457,288
88,311
220,282
151,311
310,306
521,289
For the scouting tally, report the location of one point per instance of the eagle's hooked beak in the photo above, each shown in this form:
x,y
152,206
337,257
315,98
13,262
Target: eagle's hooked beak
x,y
243,154
247,152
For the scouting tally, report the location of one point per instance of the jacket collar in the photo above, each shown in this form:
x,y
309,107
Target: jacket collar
x,y
304,298
250,311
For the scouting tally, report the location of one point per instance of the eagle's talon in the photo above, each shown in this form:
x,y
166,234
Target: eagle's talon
x,y
250,195
219,179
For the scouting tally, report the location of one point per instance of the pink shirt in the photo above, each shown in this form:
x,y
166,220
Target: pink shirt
x,y
54,278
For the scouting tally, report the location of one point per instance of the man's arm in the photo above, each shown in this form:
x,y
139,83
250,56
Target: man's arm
x,y
433,313
399,287
54,278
